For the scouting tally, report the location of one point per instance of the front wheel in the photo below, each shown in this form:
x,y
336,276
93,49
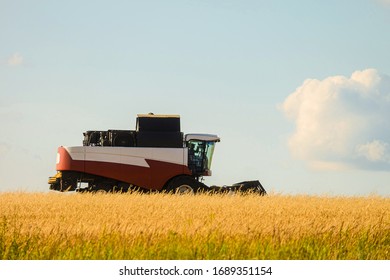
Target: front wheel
x,y
184,185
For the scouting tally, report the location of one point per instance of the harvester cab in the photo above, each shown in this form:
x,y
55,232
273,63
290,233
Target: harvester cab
x,y
200,153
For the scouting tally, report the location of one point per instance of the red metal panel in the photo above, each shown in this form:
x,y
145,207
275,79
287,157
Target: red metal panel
x,y
163,171
153,177
67,163
131,174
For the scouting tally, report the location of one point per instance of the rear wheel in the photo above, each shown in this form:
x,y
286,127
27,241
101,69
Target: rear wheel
x,y
184,185
105,185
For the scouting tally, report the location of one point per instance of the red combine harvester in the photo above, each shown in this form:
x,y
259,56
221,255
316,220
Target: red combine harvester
x,y
156,156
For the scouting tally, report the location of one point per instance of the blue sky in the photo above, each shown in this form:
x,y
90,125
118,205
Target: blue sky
x,y
233,68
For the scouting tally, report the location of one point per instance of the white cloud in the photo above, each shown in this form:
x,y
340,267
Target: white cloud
x,y
342,121
374,151
15,60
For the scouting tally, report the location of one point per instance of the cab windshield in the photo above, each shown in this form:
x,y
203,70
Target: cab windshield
x,y
200,155
209,153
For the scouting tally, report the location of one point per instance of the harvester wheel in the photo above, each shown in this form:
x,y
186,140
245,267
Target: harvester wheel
x,y
183,185
101,191
103,187
184,189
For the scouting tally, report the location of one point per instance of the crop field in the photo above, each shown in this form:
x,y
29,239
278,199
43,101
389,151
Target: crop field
x,y
217,227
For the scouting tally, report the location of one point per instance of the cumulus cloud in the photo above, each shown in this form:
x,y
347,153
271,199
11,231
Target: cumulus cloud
x,y
15,60
342,122
374,151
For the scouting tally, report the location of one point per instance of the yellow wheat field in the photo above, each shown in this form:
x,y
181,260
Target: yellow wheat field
x,y
161,226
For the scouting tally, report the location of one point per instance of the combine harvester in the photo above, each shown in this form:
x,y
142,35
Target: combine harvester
x,y
156,156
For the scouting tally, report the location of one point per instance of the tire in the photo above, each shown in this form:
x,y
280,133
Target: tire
x,y
100,191
184,185
103,187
